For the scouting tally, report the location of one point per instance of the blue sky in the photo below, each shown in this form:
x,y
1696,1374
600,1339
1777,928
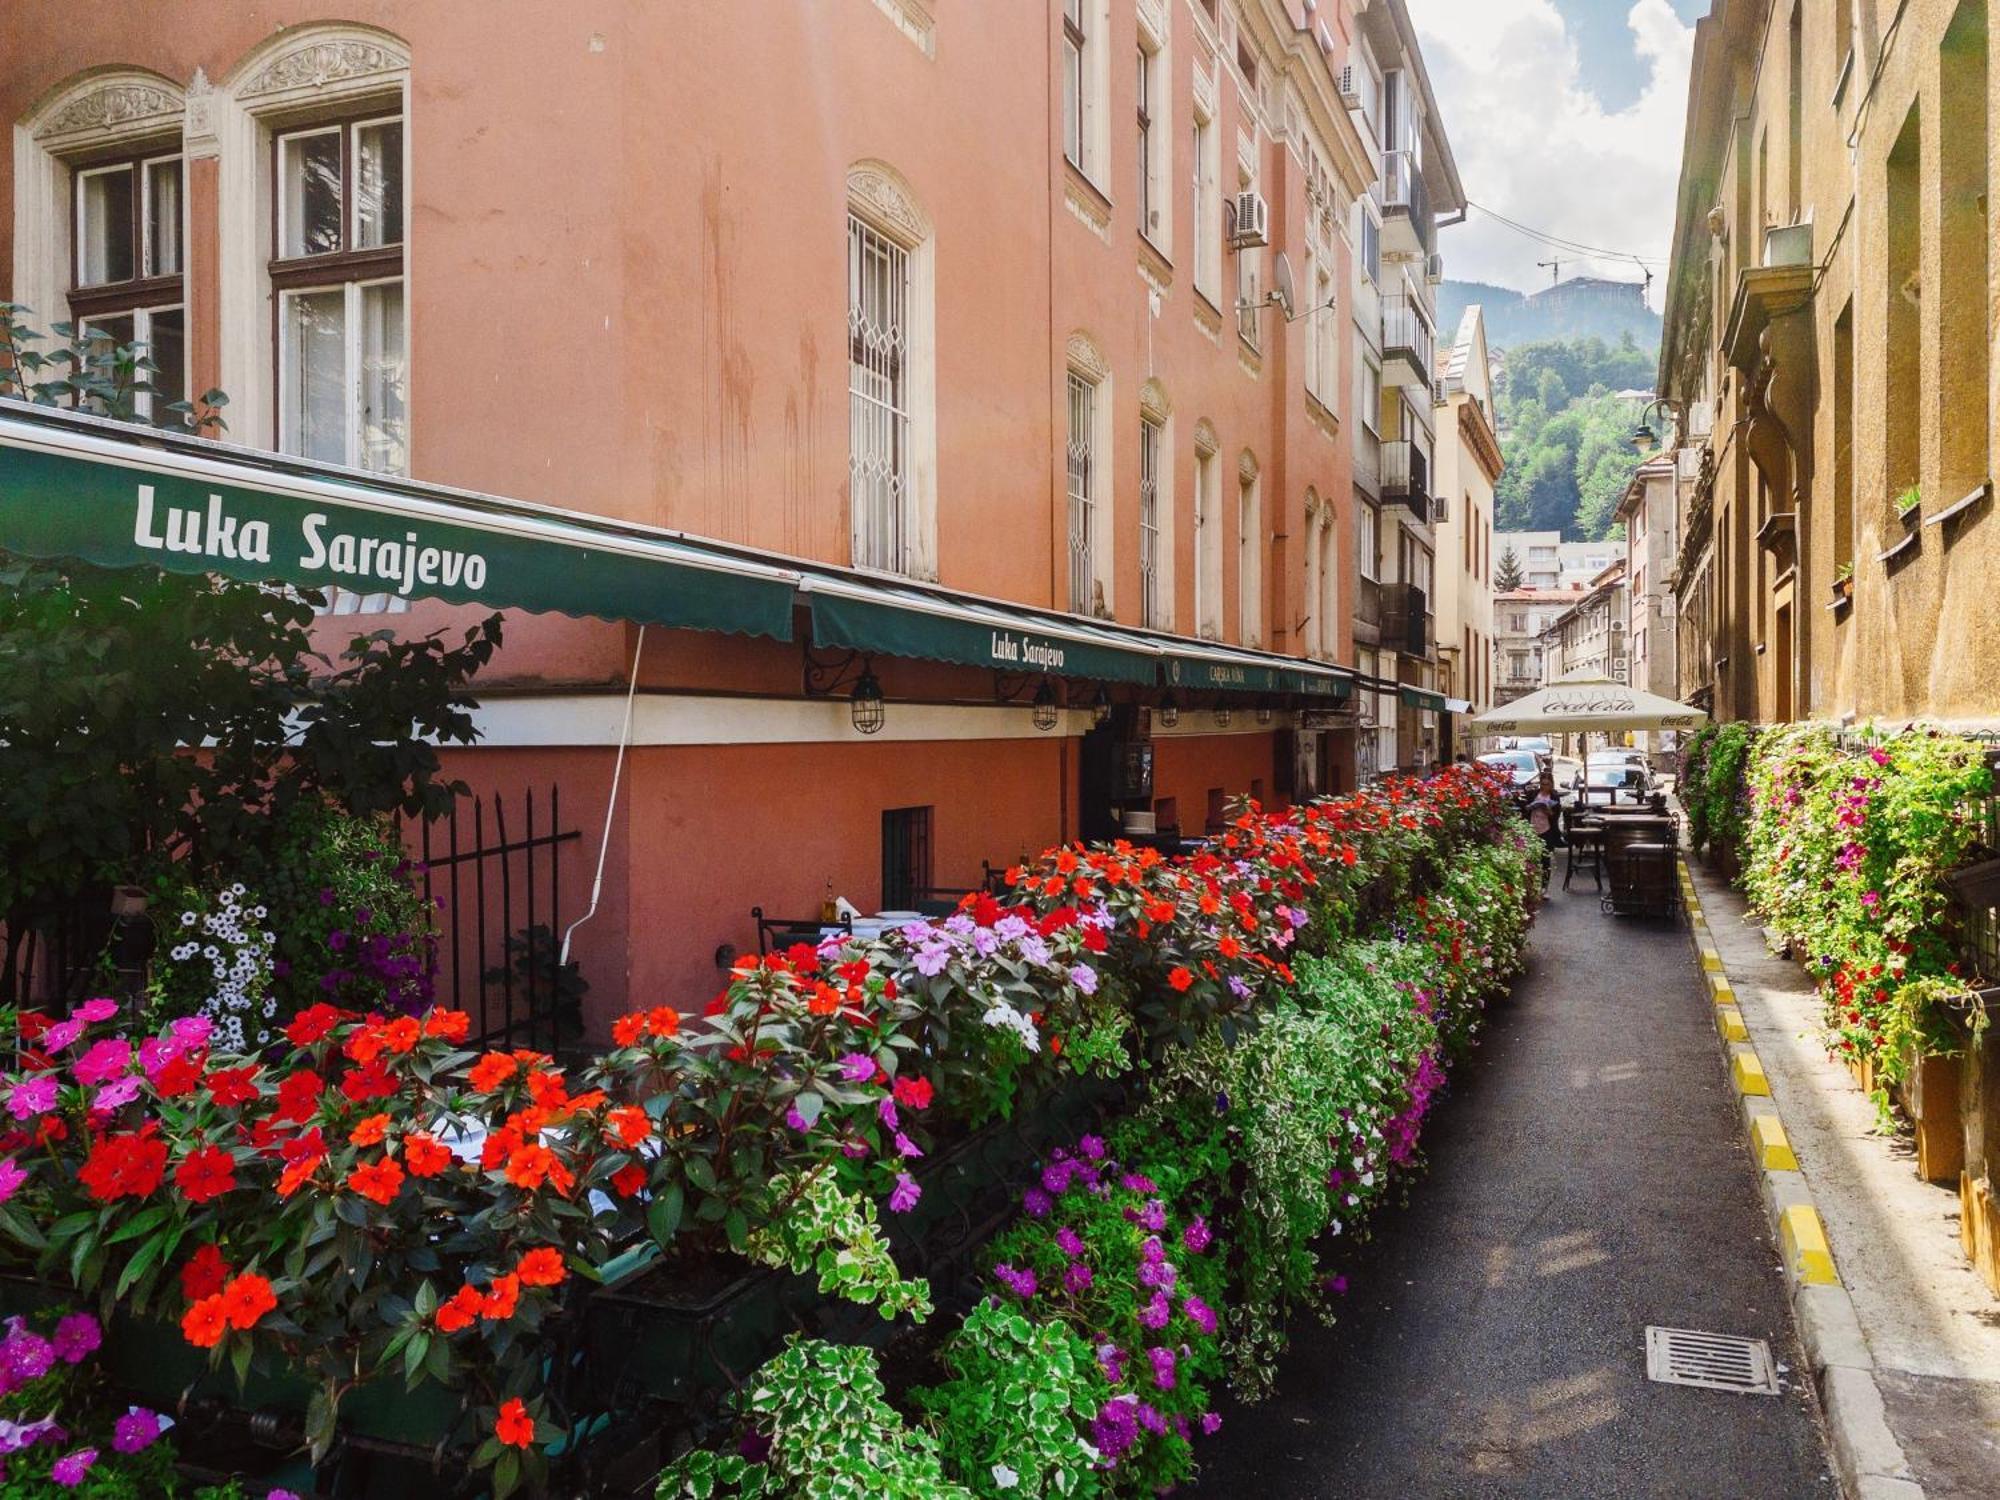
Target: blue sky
x,y
1565,115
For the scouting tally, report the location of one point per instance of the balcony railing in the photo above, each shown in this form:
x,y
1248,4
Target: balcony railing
x,y
1403,192
1406,620
1406,477
1368,603
1406,333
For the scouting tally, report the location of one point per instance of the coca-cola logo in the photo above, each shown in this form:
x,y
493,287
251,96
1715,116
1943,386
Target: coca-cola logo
x,y
1602,703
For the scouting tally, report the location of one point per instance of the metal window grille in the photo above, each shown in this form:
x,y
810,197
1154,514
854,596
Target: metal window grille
x,y
1073,93
1205,541
1082,499
1149,523
878,409
1146,216
906,856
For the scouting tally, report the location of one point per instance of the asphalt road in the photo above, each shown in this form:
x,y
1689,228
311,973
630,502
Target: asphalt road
x,y
1588,1177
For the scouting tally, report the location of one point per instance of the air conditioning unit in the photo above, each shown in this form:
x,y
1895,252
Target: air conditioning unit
x,y
1350,86
1440,391
1434,269
1252,225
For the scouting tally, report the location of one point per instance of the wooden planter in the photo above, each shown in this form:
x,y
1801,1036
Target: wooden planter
x,y
1930,1095
1978,886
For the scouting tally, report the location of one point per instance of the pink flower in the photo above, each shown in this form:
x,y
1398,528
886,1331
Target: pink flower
x,y
905,1195
11,1178
68,1471
93,1011
1871,899
116,1094
62,1034
76,1338
103,1062
32,1099
137,1429
192,1031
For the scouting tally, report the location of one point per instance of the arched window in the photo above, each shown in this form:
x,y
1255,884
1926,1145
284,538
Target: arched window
x,y
1314,626
1207,532
1156,507
100,217
1089,469
1250,544
891,374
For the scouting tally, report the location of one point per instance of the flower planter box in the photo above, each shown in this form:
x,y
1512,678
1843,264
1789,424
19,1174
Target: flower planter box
x,y
1979,1227
1978,886
1930,1095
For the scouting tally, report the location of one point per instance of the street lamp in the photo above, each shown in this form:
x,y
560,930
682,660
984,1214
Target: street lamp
x,y
865,706
1045,706
1100,706
1170,709
1644,440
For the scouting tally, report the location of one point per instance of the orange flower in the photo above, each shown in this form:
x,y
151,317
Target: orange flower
x,y
542,1267
402,1034
515,1427
1180,979
501,1298
628,1179
246,1299
377,1180
205,1322
630,1124
459,1309
423,1155
663,1020
531,1166
628,1029
492,1070
296,1175
451,1025
370,1131
825,1000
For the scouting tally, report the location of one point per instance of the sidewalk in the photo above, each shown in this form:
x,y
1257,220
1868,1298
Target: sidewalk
x,y
1930,1328
1587,1177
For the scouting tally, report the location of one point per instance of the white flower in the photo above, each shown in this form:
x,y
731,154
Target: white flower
x,y
1004,1477
187,919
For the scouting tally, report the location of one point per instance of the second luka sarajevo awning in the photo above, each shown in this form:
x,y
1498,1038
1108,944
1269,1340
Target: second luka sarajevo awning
x,y
75,486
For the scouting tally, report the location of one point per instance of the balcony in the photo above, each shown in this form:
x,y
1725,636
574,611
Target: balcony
x,y
1409,347
1406,619
1406,204
1368,604
1406,478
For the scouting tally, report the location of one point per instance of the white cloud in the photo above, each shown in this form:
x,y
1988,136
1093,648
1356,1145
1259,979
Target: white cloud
x,y
1536,145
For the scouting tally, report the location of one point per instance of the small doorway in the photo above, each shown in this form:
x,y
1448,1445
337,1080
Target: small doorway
x,y
906,856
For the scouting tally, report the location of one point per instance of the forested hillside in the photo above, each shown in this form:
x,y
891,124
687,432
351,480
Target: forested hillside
x,y
1565,435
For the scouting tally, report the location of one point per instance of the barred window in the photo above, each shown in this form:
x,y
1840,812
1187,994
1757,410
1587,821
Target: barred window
x,y
1082,492
878,329
1150,603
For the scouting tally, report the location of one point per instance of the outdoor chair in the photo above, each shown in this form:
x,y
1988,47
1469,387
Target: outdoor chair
x,y
1585,836
1643,883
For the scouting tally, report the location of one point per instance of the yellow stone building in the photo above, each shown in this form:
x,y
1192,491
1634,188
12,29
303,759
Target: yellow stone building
x,y
1828,356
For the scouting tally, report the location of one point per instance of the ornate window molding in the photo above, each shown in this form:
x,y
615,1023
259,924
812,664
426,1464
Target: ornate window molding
x,y
1084,358
878,192
1206,442
1154,403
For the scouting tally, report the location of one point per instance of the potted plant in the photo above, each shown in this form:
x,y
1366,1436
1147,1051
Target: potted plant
x,y
1843,583
1909,504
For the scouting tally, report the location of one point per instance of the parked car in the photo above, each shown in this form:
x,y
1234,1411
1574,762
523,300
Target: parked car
x,y
1568,771
1610,776
1535,742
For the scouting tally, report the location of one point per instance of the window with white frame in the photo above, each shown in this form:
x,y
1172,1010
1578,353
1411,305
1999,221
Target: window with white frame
x,y
1371,244
1083,496
1323,336
1328,545
1086,81
1152,440
337,275
1206,152
878,396
1369,396
1367,541
126,283
1156,137
1207,540
1249,555
1314,625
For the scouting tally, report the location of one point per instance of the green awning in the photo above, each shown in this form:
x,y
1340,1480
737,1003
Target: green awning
x,y
888,619
1220,668
1416,697
73,487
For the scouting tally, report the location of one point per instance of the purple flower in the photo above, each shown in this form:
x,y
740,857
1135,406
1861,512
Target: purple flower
x,y
1069,1242
68,1471
1211,1423
1111,1360
885,1107
1197,1236
1199,1313
1056,1176
1091,1148
931,958
1163,1367
294,1494
1021,1283
1135,1182
192,1031
1036,1203
34,1098
857,1067
904,1196
137,1429
1151,1420
1115,1428
1336,1285
29,1355
796,1120
853,1150
1084,978
116,1094
76,1338
906,1147
1156,1312
1077,1278
1154,1215
337,940
1240,987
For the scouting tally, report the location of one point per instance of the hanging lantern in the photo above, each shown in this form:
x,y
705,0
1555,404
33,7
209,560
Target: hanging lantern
x,y
1100,706
1265,711
1170,710
1222,716
865,708
1045,706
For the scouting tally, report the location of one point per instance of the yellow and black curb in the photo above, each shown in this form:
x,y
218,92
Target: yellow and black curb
x,y
1867,1457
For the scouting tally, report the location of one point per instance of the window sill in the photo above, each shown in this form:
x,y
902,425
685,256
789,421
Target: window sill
x,y
1085,197
1153,261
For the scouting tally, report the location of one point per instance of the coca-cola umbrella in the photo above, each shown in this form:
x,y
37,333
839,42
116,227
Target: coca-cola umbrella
x,y
1578,706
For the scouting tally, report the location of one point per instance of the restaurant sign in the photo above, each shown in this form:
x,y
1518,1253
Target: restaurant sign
x,y
120,504
897,622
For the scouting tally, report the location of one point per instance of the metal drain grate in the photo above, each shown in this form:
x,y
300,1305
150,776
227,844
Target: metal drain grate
x,y
1714,1361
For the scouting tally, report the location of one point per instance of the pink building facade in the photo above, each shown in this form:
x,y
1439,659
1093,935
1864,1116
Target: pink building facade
x,y
1020,309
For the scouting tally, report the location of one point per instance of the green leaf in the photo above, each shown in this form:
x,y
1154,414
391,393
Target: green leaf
x,y
663,1216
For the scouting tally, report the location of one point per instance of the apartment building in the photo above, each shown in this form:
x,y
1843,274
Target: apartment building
x,y
1026,364
1521,617
1587,641
1469,466
1647,510
1546,561
1393,303
1827,355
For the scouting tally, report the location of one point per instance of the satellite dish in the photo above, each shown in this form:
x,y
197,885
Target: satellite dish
x,y
1283,292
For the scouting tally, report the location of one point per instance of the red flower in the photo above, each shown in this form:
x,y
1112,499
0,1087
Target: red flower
x,y
630,1124
370,1131
204,1274
448,1025
501,1298
914,1093
663,1020
124,1166
230,1087
376,1180
1180,978
205,1322
246,1299
628,1179
310,1024
458,1311
372,1081
204,1174
401,1034
298,1096
514,1426
423,1155
626,1030
542,1267
179,1076
492,1070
